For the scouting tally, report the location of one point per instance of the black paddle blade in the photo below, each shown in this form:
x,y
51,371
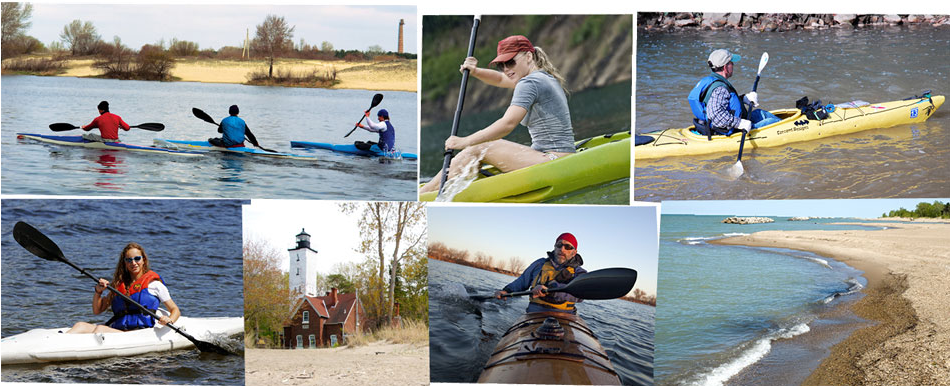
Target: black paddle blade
x,y
150,126
602,284
376,100
36,242
62,126
210,347
202,115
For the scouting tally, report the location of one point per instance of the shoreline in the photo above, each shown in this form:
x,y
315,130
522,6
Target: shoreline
x,y
906,267
399,75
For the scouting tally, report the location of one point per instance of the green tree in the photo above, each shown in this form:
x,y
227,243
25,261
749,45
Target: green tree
x,y
81,38
273,38
16,20
396,228
267,298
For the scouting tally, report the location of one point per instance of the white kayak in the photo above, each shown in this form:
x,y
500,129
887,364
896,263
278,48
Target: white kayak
x,y
54,345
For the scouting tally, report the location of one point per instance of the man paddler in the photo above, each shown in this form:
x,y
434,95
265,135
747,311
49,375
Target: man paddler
x,y
108,125
561,266
387,134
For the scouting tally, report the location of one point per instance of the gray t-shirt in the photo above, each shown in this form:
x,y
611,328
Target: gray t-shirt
x,y
548,119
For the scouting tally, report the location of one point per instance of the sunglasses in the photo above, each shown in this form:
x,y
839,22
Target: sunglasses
x,y
131,259
568,247
510,63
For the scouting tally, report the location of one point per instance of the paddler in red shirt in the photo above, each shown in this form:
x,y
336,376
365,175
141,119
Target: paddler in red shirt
x,y
108,125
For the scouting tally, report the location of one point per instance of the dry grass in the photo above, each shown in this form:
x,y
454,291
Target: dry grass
x,y
34,65
314,77
411,332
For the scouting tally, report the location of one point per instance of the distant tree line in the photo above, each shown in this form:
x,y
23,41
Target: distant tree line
x,y
273,40
512,266
925,210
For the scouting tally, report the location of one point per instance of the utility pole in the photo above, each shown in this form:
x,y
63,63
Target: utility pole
x,y
246,53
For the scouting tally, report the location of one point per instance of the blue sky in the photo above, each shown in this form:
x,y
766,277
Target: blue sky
x,y
864,208
607,236
215,26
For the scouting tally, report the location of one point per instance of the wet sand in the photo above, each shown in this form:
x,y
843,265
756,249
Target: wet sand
x,y
382,76
908,272
374,364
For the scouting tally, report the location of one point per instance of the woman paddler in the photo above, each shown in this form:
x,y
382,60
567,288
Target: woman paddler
x,y
133,278
539,103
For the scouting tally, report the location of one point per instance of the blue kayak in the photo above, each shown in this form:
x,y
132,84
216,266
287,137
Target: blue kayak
x,y
79,141
204,145
374,151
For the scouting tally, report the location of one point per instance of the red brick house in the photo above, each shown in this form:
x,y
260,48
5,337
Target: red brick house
x,y
323,321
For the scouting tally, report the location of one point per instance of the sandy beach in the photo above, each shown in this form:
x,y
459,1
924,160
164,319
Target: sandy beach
x,y
908,272
382,76
374,364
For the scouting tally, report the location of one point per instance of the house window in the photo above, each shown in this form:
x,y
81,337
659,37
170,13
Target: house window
x,y
306,317
313,341
299,341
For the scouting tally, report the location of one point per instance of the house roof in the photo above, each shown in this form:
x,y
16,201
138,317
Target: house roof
x,y
336,314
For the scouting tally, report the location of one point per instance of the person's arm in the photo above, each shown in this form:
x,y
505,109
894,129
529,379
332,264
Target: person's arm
x,y
524,281
174,313
497,130
250,136
489,76
373,126
718,109
122,124
102,299
92,125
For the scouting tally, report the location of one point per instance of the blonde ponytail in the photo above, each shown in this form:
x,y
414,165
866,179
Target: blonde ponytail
x,y
544,63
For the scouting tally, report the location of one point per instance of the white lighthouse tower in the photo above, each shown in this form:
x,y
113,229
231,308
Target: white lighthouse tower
x,y
303,266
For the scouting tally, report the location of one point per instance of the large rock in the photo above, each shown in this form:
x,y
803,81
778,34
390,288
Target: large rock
x,y
892,19
845,18
733,19
714,20
747,220
684,22
805,218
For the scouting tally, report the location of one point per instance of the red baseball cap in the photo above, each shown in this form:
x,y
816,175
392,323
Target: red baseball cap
x,y
567,237
511,46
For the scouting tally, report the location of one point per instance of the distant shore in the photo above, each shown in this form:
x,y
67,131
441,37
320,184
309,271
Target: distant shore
x,y
908,270
399,75
778,22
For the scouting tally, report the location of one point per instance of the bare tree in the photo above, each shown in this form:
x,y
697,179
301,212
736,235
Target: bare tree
x,y
81,38
16,18
274,37
514,264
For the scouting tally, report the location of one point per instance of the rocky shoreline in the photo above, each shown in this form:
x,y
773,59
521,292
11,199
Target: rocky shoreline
x,y
747,220
778,22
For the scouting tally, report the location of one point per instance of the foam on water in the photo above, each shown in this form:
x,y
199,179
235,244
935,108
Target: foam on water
x,y
754,351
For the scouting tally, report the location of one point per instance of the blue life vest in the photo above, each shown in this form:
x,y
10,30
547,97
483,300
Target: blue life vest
x,y
699,97
387,139
128,316
233,129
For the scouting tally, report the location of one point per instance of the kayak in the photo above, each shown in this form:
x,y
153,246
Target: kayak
x,y
374,151
77,140
598,160
549,348
205,146
54,345
792,127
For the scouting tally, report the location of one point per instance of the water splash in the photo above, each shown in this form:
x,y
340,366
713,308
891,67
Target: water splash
x,y
457,184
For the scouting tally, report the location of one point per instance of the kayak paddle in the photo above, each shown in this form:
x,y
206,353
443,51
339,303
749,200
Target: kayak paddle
x,y
38,244
250,136
602,284
446,162
376,99
737,168
70,126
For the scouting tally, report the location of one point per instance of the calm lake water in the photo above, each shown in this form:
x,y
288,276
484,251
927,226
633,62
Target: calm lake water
x,y
276,115
593,112
463,332
737,315
195,245
835,66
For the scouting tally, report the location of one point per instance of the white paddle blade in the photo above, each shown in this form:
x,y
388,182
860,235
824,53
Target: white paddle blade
x,y
763,61
736,170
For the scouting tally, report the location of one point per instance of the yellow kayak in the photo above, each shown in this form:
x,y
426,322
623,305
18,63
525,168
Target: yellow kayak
x,y
792,127
598,160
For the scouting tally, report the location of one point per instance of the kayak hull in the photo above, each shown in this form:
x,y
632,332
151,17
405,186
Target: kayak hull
x,y
54,345
528,354
78,141
205,146
350,149
598,160
793,127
